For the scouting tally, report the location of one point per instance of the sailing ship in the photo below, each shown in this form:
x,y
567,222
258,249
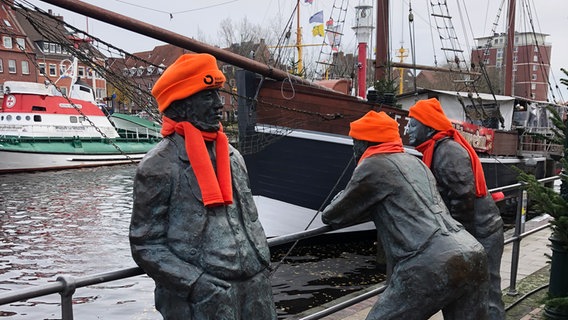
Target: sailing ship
x,y
293,132
303,155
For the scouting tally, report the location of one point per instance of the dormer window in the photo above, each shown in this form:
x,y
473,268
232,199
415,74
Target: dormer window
x,y
125,72
7,42
140,71
150,70
21,43
132,71
161,68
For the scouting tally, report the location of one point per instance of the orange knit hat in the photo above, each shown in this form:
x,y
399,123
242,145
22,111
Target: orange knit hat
x,y
375,127
429,112
188,75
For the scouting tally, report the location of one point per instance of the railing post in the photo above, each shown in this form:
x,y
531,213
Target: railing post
x,y
517,243
67,297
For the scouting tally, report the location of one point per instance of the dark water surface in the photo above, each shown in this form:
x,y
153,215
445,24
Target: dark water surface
x,y
75,222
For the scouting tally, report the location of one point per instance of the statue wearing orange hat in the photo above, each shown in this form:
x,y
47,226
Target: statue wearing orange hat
x,y
194,227
436,264
461,182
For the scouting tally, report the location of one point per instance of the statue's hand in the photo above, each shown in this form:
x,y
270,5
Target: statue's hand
x,y
207,286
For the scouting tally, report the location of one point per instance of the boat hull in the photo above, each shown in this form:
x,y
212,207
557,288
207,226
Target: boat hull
x,y
21,155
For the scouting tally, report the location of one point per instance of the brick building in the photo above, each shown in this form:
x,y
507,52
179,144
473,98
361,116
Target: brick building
x,y
531,62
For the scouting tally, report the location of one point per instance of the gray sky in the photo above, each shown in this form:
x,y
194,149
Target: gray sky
x,y
200,19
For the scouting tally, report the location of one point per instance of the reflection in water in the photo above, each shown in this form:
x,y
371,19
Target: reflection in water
x,y
75,222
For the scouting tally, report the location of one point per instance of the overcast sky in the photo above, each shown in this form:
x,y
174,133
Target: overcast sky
x,y
200,19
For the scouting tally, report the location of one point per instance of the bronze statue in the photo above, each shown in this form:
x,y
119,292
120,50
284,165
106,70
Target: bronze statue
x,y
461,183
195,228
436,263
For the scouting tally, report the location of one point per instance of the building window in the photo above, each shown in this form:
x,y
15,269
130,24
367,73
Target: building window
x,y
25,67
52,69
42,69
63,91
535,67
12,66
46,47
535,49
21,43
533,77
7,23
81,71
533,86
1,66
535,58
487,61
7,42
52,47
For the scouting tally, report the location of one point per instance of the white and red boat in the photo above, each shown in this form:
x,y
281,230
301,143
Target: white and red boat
x,y
42,130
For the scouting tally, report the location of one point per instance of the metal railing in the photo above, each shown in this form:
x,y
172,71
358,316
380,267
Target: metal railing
x,y
67,285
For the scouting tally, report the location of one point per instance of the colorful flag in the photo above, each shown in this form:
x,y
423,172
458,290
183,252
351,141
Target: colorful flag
x,y
309,1
329,22
318,30
317,18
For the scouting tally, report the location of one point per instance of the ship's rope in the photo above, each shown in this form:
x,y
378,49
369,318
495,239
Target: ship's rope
x,y
320,209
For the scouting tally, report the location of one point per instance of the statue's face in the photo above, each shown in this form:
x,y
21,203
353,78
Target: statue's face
x,y
359,147
418,132
203,110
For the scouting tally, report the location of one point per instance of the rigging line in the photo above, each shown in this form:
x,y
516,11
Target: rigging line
x,y
540,52
177,12
115,80
285,37
412,35
320,209
431,33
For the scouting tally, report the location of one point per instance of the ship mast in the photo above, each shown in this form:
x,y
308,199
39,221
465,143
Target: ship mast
x,y
509,51
300,65
382,49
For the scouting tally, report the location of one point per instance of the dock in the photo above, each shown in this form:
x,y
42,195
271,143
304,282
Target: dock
x,y
533,267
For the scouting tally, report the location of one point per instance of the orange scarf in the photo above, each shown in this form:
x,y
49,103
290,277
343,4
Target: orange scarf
x,y
427,149
216,190
385,147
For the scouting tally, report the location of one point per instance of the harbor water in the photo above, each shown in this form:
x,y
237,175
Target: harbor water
x,y
75,223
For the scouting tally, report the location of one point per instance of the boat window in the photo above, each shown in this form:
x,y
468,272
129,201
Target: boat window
x,y
18,118
28,118
86,89
73,119
81,119
38,108
9,117
37,118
